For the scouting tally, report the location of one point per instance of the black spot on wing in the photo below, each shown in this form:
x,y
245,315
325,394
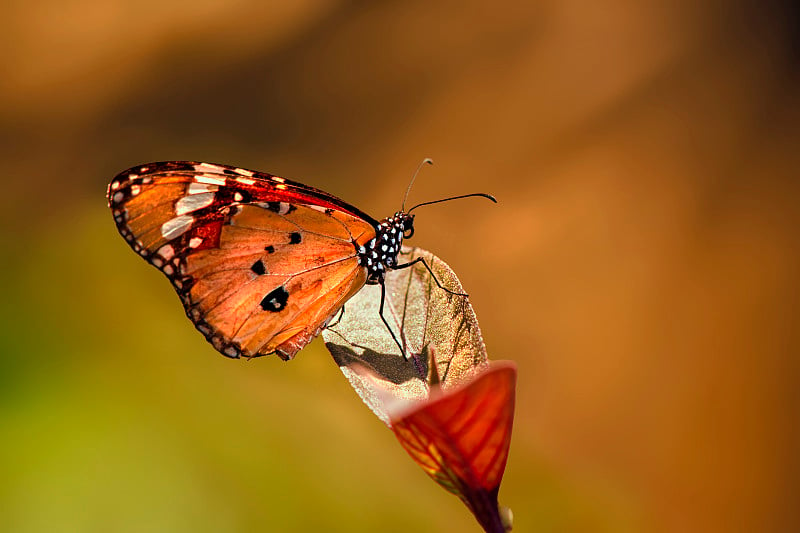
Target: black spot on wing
x,y
282,208
258,268
276,300
269,249
295,238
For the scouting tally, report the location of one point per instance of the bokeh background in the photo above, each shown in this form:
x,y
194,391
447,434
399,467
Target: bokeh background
x,y
641,267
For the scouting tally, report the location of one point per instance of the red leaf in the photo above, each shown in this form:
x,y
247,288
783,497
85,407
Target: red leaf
x,y
461,436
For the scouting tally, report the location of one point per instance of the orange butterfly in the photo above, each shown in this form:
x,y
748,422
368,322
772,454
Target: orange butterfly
x,y
261,263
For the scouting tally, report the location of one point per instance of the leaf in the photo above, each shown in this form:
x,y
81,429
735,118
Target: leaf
x,y
425,318
461,439
450,409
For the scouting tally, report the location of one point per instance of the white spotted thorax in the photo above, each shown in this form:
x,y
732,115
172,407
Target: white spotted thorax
x,y
380,254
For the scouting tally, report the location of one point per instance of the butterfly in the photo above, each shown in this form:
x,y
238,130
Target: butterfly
x,y
261,263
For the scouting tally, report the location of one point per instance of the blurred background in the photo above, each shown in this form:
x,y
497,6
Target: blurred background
x,y
641,267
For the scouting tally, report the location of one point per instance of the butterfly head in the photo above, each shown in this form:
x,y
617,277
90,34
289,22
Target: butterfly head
x,y
406,224
401,225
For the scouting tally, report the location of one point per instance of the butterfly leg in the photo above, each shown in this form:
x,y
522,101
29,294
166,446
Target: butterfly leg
x,y
425,263
380,312
338,319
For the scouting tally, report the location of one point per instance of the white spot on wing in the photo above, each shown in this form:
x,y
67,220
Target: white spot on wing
x,y
279,180
238,197
230,351
243,172
211,180
166,251
198,188
194,242
245,181
176,226
193,202
118,196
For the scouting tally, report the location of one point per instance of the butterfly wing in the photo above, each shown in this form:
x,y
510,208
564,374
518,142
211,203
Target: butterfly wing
x,y
259,262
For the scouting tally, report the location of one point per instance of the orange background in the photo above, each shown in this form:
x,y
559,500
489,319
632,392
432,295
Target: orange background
x,y
641,267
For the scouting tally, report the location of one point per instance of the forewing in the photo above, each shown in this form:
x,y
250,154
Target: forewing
x,y
259,262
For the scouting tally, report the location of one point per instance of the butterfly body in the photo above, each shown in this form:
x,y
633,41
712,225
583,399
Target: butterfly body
x,y
380,254
261,263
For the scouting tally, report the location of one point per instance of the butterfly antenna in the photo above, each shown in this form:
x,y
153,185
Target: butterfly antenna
x,y
482,195
426,160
